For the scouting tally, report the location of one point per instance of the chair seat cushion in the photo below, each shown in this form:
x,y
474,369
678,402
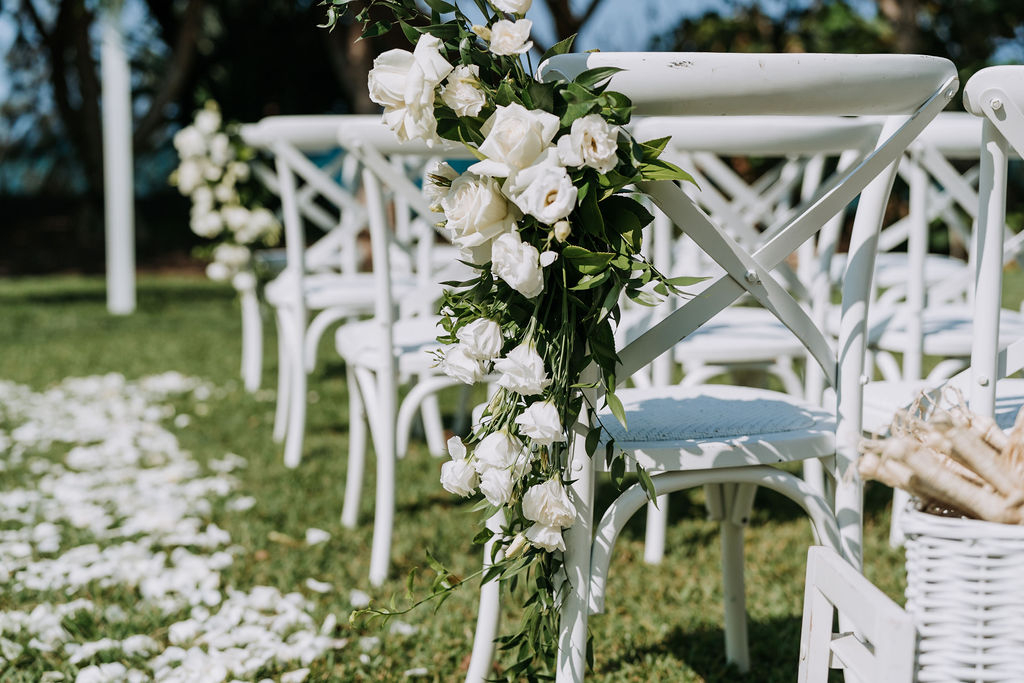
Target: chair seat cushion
x,y
718,426
364,344
353,291
948,331
883,399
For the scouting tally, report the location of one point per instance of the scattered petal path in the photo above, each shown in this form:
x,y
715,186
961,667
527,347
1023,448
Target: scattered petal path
x,y
99,495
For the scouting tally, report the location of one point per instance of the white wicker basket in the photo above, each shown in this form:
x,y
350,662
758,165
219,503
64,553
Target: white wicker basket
x,y
965,591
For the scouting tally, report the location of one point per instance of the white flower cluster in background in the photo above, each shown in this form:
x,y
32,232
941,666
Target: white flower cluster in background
x,y
125,485
212,170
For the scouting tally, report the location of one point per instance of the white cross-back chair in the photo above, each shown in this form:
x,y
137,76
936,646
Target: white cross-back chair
x,y
749,336
880,650
732,436
396,342
322,278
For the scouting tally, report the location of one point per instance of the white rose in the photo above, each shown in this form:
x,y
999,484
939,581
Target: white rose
x,y
476,211
207,121
496,485
189,176
544,190
522,371
235,217
220,149
547,537
458,365
459,477
403,83
516,137
541,423
549,505
462,91
232,255
511,37
513,6
189,142
518,264
206,224
501,451
591,142
480,339
434,191
218,272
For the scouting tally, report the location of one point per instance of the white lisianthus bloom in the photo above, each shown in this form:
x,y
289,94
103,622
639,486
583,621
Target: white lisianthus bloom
x,y
549,505
543,190
456,449
233,256
403,83
220,149
217,271
522,371
476,213
207,121
189,176
547,537
515,137
513,6
189,142
462,91
501,451
459,477
497,485
460,366
480,339
518,264
541,423
434,191
511,37
592,142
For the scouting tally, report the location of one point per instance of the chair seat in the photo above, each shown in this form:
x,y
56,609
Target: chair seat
x,y
948,331
892,268
329,290
883,399
709,426
363,343
739,334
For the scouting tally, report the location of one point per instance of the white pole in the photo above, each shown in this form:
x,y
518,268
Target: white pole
x,y
118,185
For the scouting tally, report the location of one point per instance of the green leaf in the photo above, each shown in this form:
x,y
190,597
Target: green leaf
x,y
684,281
483,536
647,485
593,438
590,281
560,48
586,261
377,28
592,77
652,149
618,471
615,405
440,6
659,169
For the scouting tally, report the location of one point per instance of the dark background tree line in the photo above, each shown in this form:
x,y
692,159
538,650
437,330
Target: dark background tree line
x,y
259,59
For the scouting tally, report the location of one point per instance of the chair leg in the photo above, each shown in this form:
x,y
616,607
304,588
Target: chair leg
x,y
489,614
433,427
252,339
572,628
356,452
296,415
384,447
739,499
654,536
900,498
284,379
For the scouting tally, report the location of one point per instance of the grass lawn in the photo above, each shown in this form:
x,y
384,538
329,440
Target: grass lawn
x,y
663,623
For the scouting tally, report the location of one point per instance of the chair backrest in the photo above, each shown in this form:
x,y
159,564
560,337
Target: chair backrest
x,y
882,650
913,89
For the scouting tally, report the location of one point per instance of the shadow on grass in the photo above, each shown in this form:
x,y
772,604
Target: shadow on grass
x,y
774,646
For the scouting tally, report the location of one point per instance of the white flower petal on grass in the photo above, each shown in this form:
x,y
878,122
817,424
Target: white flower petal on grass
x,y
416,672
401,628
358,599
316,536
241,504
296,676
367,643
318,586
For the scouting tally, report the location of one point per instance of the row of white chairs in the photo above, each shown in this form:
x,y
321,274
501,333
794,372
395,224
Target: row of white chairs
x,y
669,429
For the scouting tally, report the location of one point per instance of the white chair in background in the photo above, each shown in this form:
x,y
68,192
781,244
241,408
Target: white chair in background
x,y
396,343
687,437
881,650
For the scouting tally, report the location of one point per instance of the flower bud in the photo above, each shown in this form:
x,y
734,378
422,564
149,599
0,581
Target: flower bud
x,y
482,31
562,230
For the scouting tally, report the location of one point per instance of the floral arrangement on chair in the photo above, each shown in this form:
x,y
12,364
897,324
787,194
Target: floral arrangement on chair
x,y
214,173
548,220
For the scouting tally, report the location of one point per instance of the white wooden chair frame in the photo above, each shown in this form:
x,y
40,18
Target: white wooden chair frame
x,y
770,84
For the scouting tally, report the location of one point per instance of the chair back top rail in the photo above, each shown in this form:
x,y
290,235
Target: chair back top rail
x,y
305,133
709,83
